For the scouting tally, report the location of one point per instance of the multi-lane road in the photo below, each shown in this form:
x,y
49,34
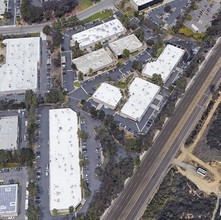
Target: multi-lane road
x,y
140,188
34,28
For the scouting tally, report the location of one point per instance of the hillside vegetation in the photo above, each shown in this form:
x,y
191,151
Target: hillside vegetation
x,y
179,198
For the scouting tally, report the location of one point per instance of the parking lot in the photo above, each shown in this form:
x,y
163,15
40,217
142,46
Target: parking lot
x,y
159,16
19,176
45,72
91,151
42,162
202,17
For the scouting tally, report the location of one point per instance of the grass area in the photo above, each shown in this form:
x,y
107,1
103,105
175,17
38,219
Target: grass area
x,y
9,165
159,51
77,84
99,15
125,7
85,4
123,84
35,34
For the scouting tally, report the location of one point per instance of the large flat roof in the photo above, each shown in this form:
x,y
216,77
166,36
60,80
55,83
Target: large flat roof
x,y
95,60
19,73
141,94
108,95
8,132
2,7
64,172
142,2
131,43
165,63
98,33
8,200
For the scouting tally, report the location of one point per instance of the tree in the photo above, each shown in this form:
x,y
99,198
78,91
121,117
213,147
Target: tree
x,y
56,61
47,30
167,8
84,163
99,171
125,21
101,115
98,46
71,209
133,145
181,84
137,65
188,17
139,34
158,45
2,58
57,38
82,134
73,66
186,31
54,212
3,157
76,51
157,79
8,15
54,96
80,76
150,42
32,188
91,71
137,161
126,53
195,6
30,13
93,112
32,212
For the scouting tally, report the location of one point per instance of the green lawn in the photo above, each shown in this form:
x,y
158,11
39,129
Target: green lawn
x,y
123,84
85,4
77,84
35,34
99,15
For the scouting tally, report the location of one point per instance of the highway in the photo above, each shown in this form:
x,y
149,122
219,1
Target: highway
x,y
34,28
140,188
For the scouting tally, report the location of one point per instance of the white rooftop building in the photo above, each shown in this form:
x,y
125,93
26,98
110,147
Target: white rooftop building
x,y
8,200
165,63
107,31
95,61
2,7
9,132
20,70
142,4
142,93
130,42
64,177
107,95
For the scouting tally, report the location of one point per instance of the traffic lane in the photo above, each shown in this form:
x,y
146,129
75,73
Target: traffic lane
x,y
68,77
92,155
168,129
44,73
153,161
183,134
133,214
43,161
78,95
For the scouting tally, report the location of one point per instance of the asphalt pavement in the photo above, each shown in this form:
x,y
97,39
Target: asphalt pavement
x,y
141,186
34,28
